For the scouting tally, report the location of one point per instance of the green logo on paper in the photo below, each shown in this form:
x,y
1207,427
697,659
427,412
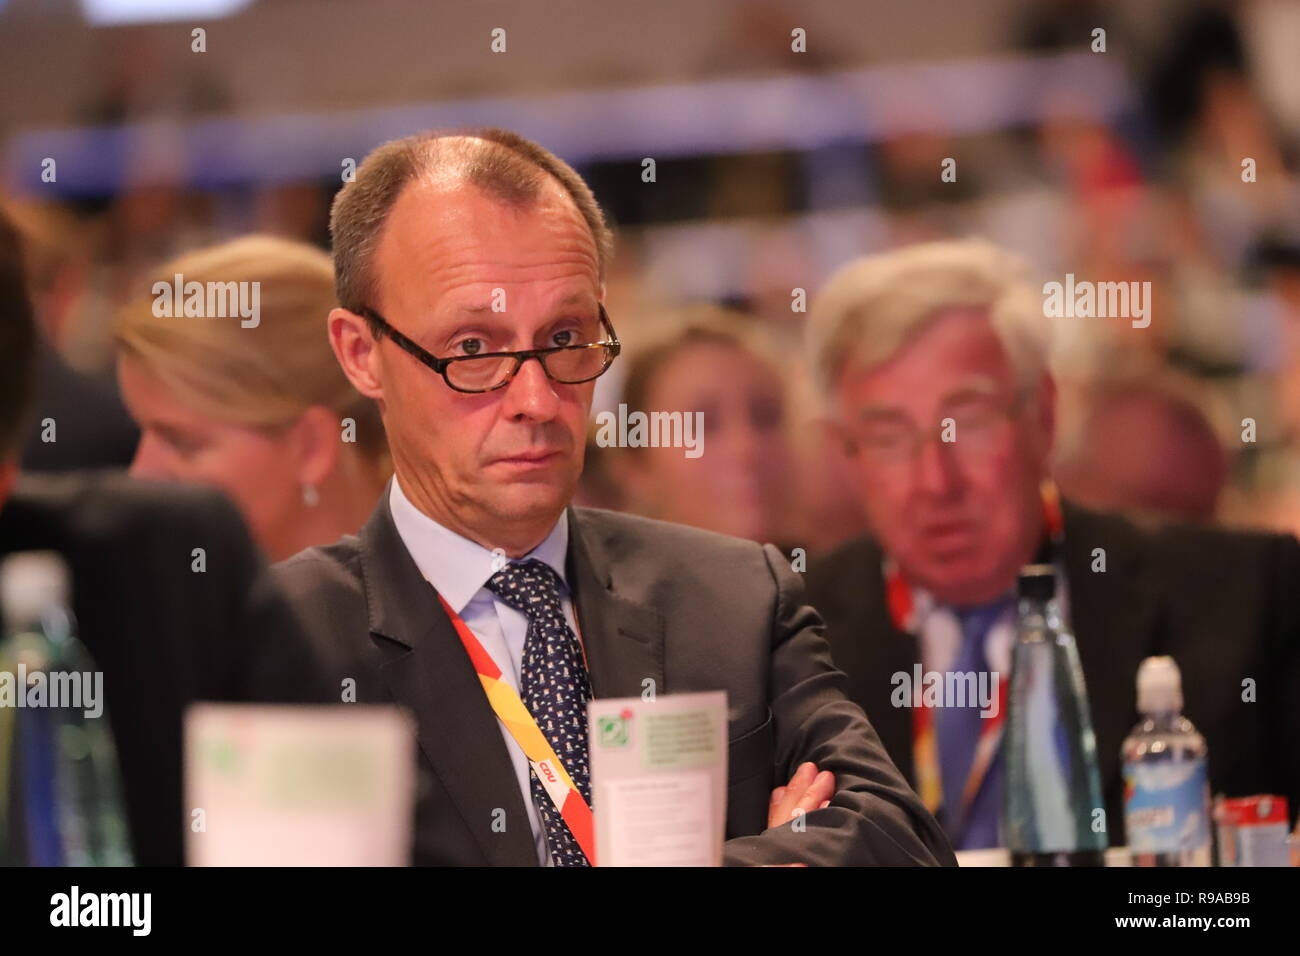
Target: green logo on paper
x,y
612,731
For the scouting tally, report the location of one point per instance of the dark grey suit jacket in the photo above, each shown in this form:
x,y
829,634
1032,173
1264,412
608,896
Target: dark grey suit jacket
x,y
690,610
1224,604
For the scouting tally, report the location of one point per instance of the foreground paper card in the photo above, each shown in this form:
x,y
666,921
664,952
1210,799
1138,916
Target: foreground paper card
x,y
279,785
659,779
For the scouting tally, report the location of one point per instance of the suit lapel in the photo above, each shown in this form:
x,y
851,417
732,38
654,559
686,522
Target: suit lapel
x,y
1113,613
889,651
426,669
848,589
624,641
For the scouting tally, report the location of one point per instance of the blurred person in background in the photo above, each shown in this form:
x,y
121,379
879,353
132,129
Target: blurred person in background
x,y
1145,448
1267,495
951,332
162,636
599,486
262,412
78,420
712,363
1277,259
1204,99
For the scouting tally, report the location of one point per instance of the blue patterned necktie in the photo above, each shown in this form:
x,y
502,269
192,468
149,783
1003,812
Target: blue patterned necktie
x,y
958,730
554,687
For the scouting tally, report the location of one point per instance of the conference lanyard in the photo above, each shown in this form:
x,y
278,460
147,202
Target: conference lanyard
x,y
510,710
925,744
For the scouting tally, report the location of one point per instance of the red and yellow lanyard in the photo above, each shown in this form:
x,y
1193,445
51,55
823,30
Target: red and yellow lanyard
x,y
925,746
511,711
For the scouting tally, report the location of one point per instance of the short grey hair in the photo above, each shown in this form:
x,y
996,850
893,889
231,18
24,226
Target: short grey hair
x,y
504,164
871,307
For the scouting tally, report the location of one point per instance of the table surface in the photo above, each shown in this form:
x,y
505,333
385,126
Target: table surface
x,y
1000,856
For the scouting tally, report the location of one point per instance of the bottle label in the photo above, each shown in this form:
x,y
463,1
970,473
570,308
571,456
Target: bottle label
x,y
1165,807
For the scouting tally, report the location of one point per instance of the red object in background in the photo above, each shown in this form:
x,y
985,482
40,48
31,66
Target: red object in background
x,y
1252,831
1253,811
1110,166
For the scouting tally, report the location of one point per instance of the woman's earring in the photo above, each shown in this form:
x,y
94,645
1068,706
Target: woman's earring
x,y
310,496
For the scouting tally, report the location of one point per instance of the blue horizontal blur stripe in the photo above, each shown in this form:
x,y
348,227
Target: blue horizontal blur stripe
x,y
665,121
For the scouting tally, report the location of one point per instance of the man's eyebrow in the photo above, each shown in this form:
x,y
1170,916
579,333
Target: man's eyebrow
x,y
881,411
976,388
576,298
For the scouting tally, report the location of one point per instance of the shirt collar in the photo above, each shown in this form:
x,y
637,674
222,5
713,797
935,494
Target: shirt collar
x,y
924,604
457,567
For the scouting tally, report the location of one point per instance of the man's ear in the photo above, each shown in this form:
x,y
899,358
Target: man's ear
x,y
357,352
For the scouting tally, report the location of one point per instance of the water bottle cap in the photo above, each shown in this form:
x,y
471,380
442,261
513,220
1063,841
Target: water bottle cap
x,y
1037,581
31,582
1160,686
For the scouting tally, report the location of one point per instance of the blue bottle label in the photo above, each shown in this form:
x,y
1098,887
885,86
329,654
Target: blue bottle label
x,y
1165,808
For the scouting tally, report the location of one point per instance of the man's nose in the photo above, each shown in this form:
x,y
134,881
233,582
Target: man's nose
x,y
531,394
745,443
151,459
938,471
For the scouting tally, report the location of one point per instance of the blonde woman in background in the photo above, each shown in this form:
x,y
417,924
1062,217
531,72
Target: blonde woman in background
x,y
712,361
256,407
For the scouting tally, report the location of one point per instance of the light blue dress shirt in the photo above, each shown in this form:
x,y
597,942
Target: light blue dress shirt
x,y
458,569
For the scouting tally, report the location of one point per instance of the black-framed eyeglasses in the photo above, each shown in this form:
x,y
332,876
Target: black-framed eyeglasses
x,y
566,364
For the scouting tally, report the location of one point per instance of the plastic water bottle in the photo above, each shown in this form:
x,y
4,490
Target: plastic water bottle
x,y
1166,784
62,790
1052,809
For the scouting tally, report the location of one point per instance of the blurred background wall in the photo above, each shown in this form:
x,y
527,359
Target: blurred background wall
x,y
772,168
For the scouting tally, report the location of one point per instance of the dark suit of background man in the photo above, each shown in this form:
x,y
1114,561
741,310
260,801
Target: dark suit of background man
x,y
946,332
163,635
460,247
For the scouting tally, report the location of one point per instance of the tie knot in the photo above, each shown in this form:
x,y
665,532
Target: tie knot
x,y
983,616
527,586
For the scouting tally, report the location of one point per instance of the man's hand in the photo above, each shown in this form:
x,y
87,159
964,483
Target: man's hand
x,y
807,790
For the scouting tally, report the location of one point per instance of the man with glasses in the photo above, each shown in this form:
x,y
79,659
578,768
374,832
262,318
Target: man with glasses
x,y
931,360
470,269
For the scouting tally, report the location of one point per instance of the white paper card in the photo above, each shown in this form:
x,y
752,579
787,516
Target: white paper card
x,y
659,779
280,785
